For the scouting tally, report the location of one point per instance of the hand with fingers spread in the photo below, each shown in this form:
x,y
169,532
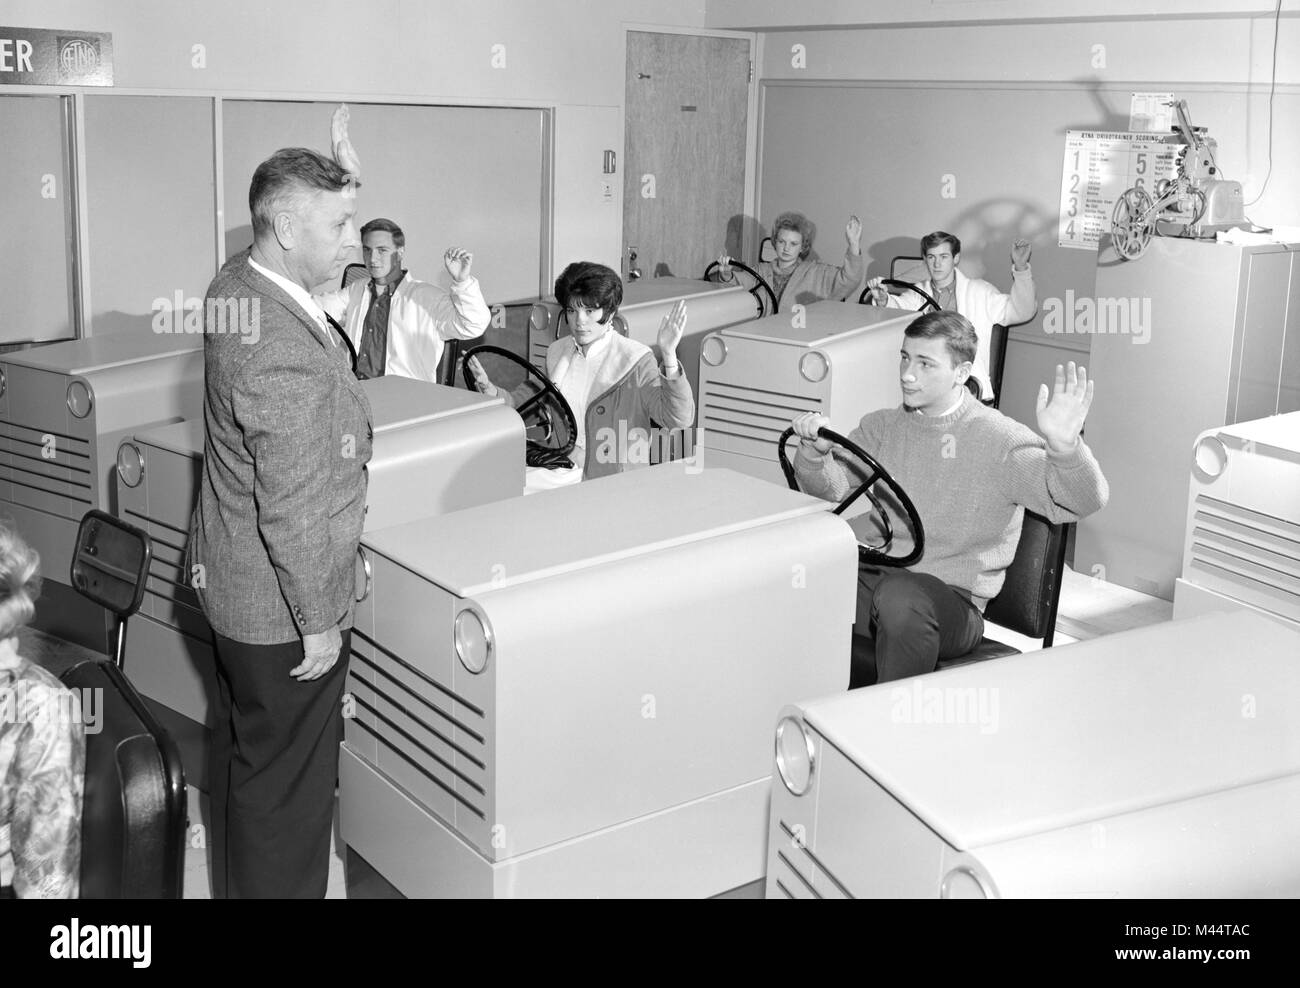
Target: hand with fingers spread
x,y
806,426
344,153
458,261
670,334
853,233
481,379
1020,252
1060,420
879,293
319,653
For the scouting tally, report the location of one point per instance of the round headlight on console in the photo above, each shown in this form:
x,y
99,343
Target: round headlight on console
x,y
963,882
363,576
130,464
1210,458
539,317
473,641
795,755
814,366
80,399
713,351
4,382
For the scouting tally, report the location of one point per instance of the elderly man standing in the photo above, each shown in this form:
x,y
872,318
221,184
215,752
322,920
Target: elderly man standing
x,y
275,532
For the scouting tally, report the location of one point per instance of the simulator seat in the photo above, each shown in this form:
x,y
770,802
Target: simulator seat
x,y
1026,604
133,811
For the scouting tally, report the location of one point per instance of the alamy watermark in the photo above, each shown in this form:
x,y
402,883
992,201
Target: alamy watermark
x,y
642,447
40,705
1103,316
238,316
918,703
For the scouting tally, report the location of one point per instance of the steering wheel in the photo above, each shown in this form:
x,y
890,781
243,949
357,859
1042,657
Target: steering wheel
x,y
759,283
872,555
866,298
550,428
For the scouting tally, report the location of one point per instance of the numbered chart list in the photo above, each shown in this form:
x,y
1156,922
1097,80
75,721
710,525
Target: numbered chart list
x,y
1098,167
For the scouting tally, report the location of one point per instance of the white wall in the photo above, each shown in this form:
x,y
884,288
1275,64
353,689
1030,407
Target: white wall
x,y
563,53
1079,71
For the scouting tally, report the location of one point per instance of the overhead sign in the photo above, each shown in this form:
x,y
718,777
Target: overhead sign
x,y
37,56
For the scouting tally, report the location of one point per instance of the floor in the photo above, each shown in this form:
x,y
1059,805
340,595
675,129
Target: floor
x,y
1089,608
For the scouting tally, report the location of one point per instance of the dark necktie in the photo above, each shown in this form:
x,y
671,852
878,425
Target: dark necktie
x,y
374,335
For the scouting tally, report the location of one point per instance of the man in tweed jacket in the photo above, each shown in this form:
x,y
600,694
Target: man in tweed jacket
x,y
275,531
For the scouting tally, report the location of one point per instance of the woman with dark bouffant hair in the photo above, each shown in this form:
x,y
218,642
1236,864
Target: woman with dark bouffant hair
x,y
616,387
42,750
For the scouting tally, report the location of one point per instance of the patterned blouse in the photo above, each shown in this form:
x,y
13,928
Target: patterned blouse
x,y
42,766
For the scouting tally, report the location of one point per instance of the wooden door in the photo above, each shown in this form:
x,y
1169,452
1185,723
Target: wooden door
x,y
684,154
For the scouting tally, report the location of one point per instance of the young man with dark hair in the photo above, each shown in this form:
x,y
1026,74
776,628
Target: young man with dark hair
x,y
977,300
397,324
970,471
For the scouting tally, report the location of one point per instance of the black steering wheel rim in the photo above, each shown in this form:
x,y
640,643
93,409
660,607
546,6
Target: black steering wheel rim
x,y
536,454
871,555
760,282
866,299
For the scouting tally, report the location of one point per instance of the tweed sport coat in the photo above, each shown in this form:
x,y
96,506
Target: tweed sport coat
x,y
288,434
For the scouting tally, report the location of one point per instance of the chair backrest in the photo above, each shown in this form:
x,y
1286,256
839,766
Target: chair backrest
x,y
906,267
448,363
353,272
1028,600
997,360
133,810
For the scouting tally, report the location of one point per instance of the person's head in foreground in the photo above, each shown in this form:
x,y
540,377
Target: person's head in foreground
x,y
304,209
935,360
589,294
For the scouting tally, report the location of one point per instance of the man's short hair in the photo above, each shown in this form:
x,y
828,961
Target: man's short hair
x,y
953,328
938,239
286,179
381,225
592,285
801,225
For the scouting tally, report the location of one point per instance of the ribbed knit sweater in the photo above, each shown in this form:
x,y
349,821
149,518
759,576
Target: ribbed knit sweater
x,y
970,473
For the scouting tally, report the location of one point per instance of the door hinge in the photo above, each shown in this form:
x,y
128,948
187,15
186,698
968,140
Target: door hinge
x,y
751,70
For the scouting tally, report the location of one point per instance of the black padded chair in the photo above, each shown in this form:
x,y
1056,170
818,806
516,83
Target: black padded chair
x,y
353,272
1026,604
133,810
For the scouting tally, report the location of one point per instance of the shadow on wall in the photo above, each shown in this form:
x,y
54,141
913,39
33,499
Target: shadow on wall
x,y
986,231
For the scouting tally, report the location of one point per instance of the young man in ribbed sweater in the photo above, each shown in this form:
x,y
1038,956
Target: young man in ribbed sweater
x,y
971,472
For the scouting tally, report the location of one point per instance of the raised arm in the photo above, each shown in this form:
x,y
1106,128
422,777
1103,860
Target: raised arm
x,y
1062,480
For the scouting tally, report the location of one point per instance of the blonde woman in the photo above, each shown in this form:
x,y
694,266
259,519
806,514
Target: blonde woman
x,y
42,750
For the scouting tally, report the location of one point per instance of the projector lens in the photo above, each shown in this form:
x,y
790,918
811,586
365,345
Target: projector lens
x,y
130,464
794,755
473,641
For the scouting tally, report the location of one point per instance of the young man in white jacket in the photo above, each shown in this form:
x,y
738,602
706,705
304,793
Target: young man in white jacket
x,y
977,300
397,324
